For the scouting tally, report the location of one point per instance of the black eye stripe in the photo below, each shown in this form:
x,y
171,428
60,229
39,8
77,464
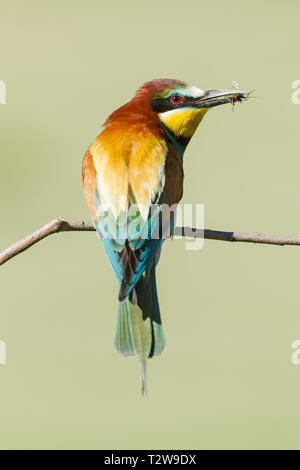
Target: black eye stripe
x,y
162,105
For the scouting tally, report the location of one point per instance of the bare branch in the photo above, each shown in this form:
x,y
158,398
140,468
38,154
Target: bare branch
x,y
250,237
54,226
60,225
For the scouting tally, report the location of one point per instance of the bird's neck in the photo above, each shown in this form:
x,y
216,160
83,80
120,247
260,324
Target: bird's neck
x,y
178,141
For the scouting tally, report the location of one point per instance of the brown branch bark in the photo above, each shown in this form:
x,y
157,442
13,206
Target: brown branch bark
x,y
60,225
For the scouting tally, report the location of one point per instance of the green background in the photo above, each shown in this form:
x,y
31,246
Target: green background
x,y
230,311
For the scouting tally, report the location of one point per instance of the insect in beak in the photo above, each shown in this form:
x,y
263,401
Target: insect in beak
x,y
213,98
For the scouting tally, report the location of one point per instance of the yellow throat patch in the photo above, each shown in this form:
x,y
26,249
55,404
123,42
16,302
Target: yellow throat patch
x,y
183,121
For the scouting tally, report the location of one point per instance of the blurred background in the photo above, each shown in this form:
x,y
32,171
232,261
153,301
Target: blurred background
x,y
230,311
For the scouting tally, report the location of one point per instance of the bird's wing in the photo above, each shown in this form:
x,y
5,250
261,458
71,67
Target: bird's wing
x,y
89,182
125,193
142,251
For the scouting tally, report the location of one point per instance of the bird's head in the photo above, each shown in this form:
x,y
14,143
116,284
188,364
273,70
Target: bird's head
x,y
180,106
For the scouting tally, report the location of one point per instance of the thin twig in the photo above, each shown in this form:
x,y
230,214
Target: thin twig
x,y
60,225
53,226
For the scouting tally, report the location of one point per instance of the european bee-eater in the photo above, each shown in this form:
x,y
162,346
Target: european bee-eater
x,y
129,173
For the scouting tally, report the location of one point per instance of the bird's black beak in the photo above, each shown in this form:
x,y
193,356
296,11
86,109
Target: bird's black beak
x,y
213,98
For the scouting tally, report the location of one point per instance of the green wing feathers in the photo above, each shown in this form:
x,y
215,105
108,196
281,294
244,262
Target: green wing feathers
x,y
139,329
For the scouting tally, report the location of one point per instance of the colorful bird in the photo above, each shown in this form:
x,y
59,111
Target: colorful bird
x,y
131,171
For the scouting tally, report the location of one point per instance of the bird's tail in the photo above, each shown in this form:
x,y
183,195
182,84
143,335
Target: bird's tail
x,y
139,329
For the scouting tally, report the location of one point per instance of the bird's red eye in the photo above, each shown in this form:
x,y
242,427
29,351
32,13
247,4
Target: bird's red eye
x,y
176,99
